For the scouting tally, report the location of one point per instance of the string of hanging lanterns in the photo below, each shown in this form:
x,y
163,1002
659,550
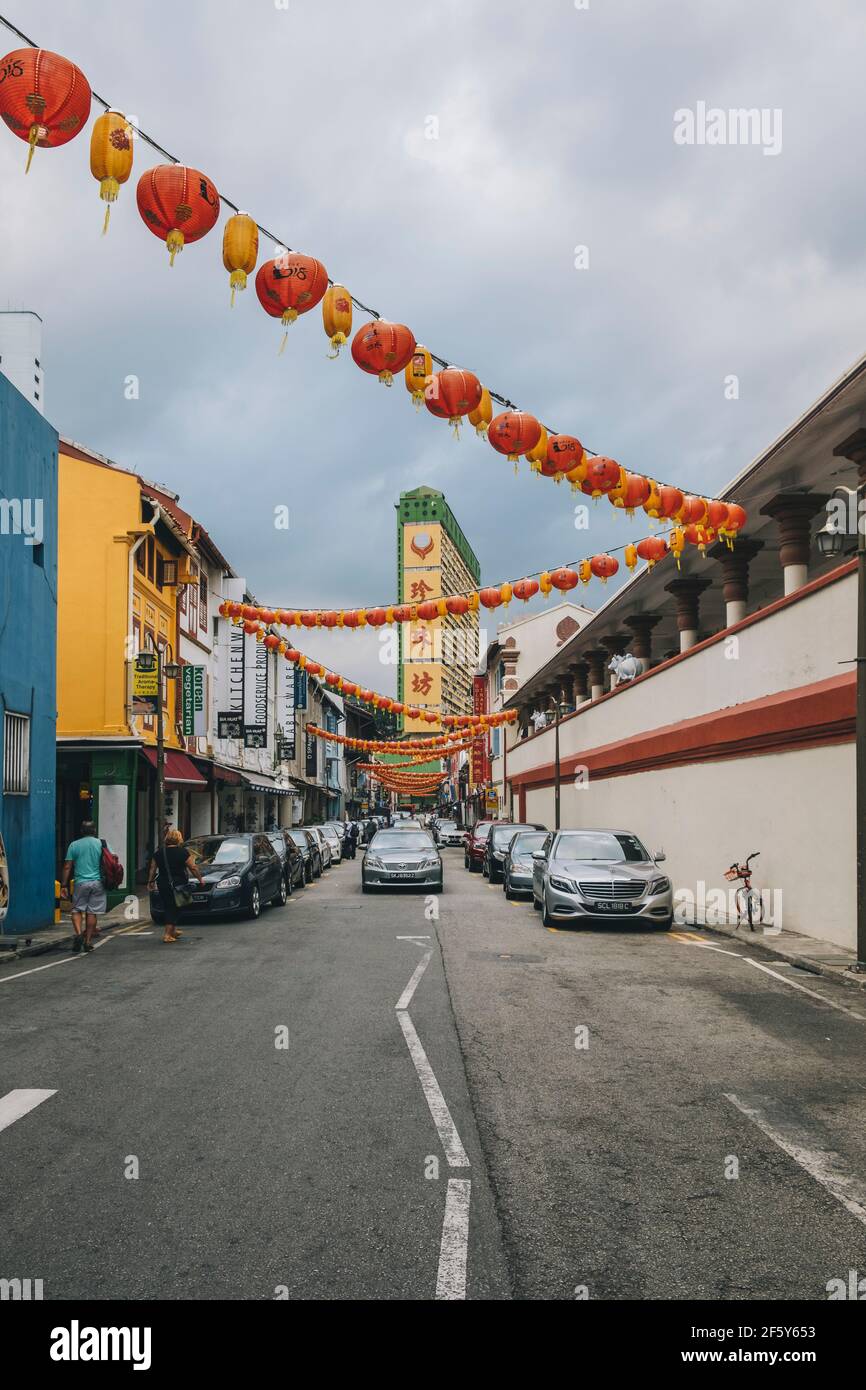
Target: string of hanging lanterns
x,y
719,520
437,744
45,99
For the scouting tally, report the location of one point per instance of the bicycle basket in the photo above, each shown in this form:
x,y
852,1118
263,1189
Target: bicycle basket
x,y
732,875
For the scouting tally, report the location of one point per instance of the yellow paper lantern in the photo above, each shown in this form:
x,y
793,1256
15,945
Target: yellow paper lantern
x,y
110,157
419,370
240,250
538,454
483,414
577,474
337,316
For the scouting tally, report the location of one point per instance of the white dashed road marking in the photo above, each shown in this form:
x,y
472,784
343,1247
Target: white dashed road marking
x,y
813,993
18,1103
451,1277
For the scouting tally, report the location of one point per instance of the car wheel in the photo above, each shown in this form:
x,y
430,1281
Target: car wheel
x,y
440,886
290,884
506,887
535,903
466,863
546,919
493,875
666,925
365,887
255,907
282,894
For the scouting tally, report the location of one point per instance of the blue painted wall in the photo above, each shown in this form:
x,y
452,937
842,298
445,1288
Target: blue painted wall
x,y
28,639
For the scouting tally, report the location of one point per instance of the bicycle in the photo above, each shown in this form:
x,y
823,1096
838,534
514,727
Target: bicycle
x,y
750,906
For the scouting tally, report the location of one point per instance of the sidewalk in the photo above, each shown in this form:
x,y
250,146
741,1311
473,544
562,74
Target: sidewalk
x,y
805,952
58,936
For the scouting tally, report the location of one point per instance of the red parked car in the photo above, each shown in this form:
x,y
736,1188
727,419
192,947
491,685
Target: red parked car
x,y
475,843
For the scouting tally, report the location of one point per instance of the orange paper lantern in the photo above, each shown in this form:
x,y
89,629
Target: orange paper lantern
x,y
382,348
240,250
110,157
513,433
337,316
290,285
451,394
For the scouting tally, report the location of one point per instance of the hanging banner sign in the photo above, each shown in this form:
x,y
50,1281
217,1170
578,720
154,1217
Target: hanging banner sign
x,y
145,691
300,688
230,724
256,662
312,756
192,701
286,710
236,670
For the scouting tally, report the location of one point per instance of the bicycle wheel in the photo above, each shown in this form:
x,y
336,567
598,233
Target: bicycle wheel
x,y
749,907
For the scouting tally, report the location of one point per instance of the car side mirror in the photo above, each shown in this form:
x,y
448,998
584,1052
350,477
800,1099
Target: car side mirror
x,y
660,856
538,854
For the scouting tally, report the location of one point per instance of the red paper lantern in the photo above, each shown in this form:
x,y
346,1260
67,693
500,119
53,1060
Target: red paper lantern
x,y
491,598
694,510
563,579
349,688
717,515
652,549
309,620
458,604
179,205
670,503
293,654
376,617
383,348
525,589
701,536
513,433
635,491
564,452
351,619
735,521
403,613
330,619
451,394
603,566
44,98
602,475
290,285
428,610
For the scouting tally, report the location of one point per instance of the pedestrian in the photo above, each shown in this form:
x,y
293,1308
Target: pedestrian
x,y
83,862
170,869
352,838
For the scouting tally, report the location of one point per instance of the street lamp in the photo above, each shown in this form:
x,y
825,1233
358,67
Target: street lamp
x,y
833,540
146,660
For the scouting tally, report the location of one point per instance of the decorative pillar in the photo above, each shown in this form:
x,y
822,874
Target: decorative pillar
x,y
686,591
642,625
735,574
580,685
793,512
597,658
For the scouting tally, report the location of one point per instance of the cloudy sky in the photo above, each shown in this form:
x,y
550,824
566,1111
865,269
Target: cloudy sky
x,y
555,130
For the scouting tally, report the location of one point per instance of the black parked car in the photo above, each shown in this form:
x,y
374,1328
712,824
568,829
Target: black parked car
x,y
310,852
293,860
496,848
242,874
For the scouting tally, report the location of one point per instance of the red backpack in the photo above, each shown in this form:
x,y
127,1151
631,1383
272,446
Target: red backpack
x,y
111,867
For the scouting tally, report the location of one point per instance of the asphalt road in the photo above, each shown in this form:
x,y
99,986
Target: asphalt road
x,y
431,1122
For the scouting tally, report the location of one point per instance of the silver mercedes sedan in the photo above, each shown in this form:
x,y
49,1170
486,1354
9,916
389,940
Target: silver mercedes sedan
x,y
594,875
401,859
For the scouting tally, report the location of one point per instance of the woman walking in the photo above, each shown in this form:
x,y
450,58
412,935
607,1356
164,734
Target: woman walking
x,y
170,869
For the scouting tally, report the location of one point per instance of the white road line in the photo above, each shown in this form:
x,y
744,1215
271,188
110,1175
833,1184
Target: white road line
x,y
451,1277
445,1126
813,993
704,946
18,1103
406,997
818,1163
65,961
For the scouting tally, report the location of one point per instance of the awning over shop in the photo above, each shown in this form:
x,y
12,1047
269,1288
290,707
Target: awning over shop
x,y
226,774
180,770
260,782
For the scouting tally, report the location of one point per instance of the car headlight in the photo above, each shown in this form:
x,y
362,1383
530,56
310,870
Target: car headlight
x,y
563,884
430,863
659,885
373,863
233,881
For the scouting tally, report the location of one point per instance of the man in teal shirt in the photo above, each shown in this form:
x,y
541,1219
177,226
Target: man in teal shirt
x,y
83,862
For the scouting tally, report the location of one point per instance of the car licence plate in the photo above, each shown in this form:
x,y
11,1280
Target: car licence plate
x,y
612,907
404,876
199,897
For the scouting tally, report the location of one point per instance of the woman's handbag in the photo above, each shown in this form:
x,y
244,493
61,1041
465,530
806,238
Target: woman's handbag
x,y
182,894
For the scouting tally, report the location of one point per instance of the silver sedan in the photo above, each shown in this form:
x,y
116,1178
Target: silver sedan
x,y
401,859
593,875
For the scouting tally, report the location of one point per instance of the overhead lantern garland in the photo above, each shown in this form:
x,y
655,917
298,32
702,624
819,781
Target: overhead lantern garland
x,y
110,157
44,98
178,204
240,250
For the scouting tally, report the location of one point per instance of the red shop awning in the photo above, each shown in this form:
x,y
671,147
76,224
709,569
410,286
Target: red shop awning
x,y
179,769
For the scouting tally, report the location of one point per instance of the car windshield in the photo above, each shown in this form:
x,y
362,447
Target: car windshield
x,y
447,825
330,832
219,849
300,838
527,844
400,840
601,844
481,829
501,834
